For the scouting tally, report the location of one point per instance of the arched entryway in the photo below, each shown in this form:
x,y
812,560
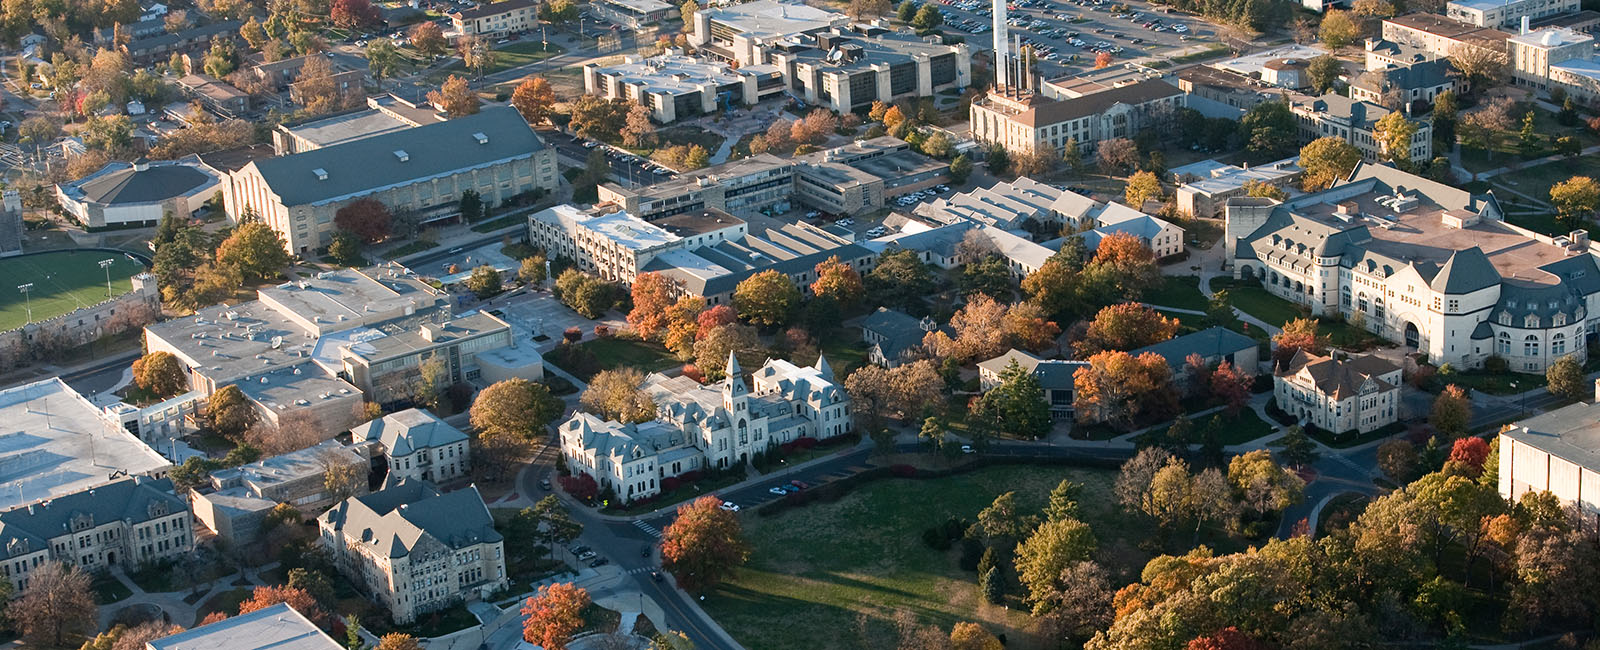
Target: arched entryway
x,y
1413,337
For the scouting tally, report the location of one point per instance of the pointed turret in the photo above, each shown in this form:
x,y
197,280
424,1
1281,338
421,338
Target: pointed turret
x,y
823,368
734,392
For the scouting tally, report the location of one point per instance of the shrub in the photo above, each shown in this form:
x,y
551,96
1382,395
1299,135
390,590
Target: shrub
x,y
971,553
954,528
903,471
1496,364
690,476
693,372
670,483
935,539
602,331
572,335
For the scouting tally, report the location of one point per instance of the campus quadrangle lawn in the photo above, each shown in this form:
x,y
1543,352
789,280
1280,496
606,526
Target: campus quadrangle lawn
x,y
62,282
815,567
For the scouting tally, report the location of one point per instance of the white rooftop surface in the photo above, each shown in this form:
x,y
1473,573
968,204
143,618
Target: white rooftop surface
x,y
278,627
620,227
345,295
672,74
1551,37
1483,5
1114,212
53,442
283,388
1251,64
642,6
283,468
344,128
772,19
1230,177
1583,67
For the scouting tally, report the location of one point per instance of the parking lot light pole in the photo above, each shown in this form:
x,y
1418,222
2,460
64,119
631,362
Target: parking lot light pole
x,y
27,298
105,265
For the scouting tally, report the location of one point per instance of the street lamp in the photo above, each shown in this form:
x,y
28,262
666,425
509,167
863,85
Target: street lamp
x,y
105,265
27,298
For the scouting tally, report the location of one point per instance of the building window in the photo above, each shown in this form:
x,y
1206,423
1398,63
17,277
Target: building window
x,y
1530,346
1558,345
1503,344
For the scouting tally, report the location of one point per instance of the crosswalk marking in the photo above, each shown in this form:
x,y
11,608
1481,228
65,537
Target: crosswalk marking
x,y
647,528
640,570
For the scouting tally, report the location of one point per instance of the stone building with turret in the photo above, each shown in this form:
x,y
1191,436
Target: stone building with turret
x,y
712,426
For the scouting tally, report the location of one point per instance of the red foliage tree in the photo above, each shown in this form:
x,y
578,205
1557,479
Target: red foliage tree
x,y
703,545
652,295
580,486
1229,638
353,13
1470,454
269,595
554,615
713,318
368,219
1231,387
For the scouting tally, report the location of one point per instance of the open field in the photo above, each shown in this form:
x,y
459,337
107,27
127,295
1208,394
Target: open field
x,y
821,564
62,282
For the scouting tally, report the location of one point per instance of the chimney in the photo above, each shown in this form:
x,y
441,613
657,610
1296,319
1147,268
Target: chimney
x,y
1524,24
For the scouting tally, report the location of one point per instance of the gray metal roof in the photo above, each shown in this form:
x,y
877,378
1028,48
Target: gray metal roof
x,y
407,431
1465,272
1571,433
394,519
1208,343
278,627
135,499
370,164
122,183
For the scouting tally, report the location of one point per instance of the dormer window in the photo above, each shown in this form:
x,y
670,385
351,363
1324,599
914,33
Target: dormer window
x,y
1530,321
1505,317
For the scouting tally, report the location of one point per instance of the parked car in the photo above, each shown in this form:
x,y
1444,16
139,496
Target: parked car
x,y
655,575
578,549
730,506
586,555
799,484
599,562
778,491
545,484
967,449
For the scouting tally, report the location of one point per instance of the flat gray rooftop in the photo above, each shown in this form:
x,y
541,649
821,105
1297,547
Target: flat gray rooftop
x,y
344,128
53,442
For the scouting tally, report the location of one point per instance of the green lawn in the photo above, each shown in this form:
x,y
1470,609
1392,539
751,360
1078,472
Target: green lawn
x,y
1242,428
1535,181
1492,383
1258,302
62,281
1506,150
821,564
440,623
845,353
410,249
514,55
1350,439
1180,291
108,589
226,602
616,352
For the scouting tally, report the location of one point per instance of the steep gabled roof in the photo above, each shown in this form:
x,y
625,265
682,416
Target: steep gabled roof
x,y
1465,272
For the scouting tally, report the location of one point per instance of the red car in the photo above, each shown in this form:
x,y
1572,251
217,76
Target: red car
x,y
799,484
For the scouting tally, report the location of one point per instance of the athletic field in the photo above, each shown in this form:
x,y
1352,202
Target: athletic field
x,y
62,281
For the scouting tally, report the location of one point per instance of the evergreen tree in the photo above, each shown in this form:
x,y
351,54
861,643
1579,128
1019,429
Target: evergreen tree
x,y
1018,403
1298,450
989,584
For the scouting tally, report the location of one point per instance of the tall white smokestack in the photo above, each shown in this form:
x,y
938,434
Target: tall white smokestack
x,y
1524,24
1002,44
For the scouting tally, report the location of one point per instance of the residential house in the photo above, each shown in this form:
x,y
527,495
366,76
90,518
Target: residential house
x,y
1339,394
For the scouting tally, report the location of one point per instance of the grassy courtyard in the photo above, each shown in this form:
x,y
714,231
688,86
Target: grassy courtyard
x,y
821,565
617,352
62,281
1257,301
511,56
1178,291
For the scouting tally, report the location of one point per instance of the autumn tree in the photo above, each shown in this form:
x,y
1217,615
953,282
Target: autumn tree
x,y
1575,200
268,595
1394,133
1117,155
535,98
1126,264
703,545
495,453
57,603
1126,326
514,406
229,413
618,394
160,374
350,14
903,391
398,641
1566,378
711,351
484,281
1397,459
1452,412
972,636
1481,66
1326,161
1230,386
637,130
1270,128
1051,549
255,250
1338,29
1324,72
1467,456
652,295
838,281
977,336
428,39
1142,186
1298,334
766,298
554,614
454,97
1027,326
1122,389
532,271
1261,485
366,218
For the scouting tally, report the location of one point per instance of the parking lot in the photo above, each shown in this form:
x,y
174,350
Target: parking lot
x,y
628,170
1067,34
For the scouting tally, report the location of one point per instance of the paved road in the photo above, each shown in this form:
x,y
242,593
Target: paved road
x,y
626,168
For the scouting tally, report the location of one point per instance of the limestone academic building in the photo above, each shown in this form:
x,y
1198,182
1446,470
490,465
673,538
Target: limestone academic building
x,y
1425,264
